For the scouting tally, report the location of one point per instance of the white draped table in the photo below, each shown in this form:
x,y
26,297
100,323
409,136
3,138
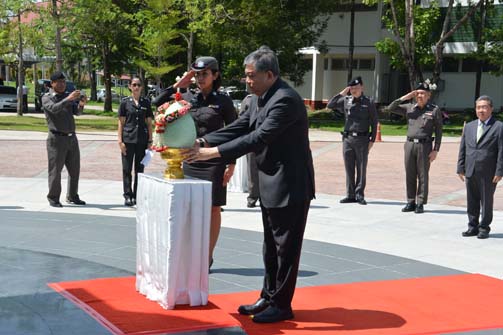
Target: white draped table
x,y
239,180
172,240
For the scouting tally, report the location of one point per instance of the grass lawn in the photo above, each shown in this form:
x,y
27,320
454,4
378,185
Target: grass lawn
x,y
39,124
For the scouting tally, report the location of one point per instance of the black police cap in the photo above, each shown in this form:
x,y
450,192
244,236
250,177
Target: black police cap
x,y
57,75
356,81
423,87
203,63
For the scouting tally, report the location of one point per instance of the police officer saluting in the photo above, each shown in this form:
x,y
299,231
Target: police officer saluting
x,y
360,115
62,145
423,118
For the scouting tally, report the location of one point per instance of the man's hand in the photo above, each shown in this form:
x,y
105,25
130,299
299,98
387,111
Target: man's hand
x,y
186,80
75,95
410,95
200,154
496,179
229,171
83,101
433,155
461,176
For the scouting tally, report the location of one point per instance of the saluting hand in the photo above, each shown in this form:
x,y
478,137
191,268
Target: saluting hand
x,y
410,95
345,91
186,80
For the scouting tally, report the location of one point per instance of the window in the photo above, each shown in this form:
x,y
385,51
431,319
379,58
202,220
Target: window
x,y
338,64
325,63
366,64
469,65
450,65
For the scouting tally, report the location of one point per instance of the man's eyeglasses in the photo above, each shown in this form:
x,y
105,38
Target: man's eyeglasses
x,y
136,85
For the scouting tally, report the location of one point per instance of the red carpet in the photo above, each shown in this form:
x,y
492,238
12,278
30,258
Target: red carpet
x,y
429,305
115,303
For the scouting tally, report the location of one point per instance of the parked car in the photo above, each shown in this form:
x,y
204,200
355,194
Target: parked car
x,y
42,86
8,99
100,95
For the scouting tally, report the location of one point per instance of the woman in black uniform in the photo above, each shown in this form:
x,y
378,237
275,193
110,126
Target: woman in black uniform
x,y
134,136
211,111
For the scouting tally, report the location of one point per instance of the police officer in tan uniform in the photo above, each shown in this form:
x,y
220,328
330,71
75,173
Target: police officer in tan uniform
x,y
360,115
62,144
421,148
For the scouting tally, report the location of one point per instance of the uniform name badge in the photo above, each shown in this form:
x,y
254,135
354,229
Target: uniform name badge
x,y
354,134
416,140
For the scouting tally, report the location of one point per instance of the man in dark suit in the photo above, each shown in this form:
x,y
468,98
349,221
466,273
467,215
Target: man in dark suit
x,y
480,165
275,128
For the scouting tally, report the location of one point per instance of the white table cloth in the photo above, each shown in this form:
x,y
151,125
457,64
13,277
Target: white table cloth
x,y
239,180
172,240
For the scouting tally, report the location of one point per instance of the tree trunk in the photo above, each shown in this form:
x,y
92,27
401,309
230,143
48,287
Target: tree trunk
x,y
108,79
92,79
351,41
480,49
57,45
20,72
190,50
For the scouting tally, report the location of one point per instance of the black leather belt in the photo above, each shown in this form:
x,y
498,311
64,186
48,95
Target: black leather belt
x,y
420,140
60,133
354,133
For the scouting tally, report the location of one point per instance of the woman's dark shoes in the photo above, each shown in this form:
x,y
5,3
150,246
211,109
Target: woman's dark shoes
x,y
361,201
410,207
256,308
419,209
470,232
273,314
129,202
251,203
76,201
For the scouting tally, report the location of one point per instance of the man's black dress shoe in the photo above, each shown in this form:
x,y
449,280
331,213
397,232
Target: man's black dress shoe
x,y
251,203
361,201
470,232
256,308
55,204
75,201
410,207
273,314
129,202
483,234
347,200
419,209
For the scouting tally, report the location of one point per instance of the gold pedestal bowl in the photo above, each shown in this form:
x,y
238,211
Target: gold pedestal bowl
x,y
174,159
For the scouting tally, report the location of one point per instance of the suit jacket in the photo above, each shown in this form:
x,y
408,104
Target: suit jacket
x,y
484,157
278,134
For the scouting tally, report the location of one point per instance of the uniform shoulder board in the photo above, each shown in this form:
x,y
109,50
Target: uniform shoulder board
x,y
125,98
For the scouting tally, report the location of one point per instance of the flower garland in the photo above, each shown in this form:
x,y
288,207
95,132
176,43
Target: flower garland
x,y
163,118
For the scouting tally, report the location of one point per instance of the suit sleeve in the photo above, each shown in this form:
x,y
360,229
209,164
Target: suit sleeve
x,y
236,129
462,154
499,162
281,115
56,107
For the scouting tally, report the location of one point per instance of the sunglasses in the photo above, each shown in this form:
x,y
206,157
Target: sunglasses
x,y
136,85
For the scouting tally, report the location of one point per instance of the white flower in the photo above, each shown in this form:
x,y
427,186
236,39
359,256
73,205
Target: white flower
x,y
433,87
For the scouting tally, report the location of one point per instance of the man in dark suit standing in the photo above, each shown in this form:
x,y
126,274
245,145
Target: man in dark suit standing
x,y
275,127
480,165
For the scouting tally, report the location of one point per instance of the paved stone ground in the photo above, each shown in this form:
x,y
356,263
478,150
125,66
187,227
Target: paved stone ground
x,y
344,243
100,159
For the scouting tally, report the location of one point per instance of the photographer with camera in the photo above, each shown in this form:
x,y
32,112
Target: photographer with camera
x,y
62,145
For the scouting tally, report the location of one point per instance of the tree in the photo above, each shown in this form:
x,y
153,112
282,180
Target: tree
x,y
14,39
158,20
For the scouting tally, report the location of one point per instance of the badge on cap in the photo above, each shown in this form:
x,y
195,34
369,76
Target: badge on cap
x,y
200,64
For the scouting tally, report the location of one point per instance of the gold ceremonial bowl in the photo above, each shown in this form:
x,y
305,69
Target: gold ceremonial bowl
x,y
174,159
